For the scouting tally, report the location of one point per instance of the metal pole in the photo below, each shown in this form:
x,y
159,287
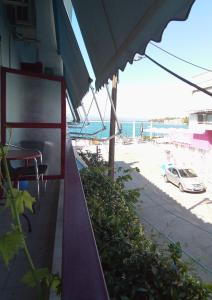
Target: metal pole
x,y
86,117
113,108
99,111
112,128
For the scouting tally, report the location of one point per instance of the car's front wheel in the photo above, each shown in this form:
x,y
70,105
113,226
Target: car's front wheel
x,y
181,187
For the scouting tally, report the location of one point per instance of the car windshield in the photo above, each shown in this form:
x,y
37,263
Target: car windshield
x,y
187,173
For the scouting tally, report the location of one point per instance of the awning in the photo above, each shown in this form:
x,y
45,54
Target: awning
x,y
115,30
75,72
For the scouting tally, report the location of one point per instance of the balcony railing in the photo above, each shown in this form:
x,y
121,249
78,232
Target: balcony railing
x,y
82,276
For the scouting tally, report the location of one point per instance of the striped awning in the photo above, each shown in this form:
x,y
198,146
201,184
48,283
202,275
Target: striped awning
x,y
75,71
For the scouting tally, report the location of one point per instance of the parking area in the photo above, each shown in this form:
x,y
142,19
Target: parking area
x,y
168,214
199,204
148,158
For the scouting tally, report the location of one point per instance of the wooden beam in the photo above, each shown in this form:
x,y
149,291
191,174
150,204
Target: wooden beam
x,y
112,128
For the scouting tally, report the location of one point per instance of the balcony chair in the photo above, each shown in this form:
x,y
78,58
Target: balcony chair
x,y
32,172
19,173
38,146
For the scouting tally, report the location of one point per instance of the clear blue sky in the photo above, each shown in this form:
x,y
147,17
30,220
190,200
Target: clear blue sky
x,y
151,91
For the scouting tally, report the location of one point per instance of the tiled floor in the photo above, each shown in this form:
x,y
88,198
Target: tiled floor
x,y
40,242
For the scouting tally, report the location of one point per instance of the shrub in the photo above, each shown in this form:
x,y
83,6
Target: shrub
x,y
93,159
134,269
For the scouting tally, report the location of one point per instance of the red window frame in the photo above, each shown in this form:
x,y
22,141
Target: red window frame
x,y
61,125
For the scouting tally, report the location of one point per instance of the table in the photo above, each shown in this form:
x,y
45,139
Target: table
x,y
23,154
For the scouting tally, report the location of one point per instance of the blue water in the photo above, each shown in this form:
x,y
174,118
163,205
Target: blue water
x,y
127,128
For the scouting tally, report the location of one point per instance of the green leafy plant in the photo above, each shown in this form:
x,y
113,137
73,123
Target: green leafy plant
x,y
133,266
14,240
93,159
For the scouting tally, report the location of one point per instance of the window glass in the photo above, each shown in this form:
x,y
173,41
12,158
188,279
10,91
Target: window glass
x,y
174,172
32,99
187,173
209,117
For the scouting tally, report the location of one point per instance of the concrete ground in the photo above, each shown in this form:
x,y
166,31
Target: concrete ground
x,y
166,213
40,242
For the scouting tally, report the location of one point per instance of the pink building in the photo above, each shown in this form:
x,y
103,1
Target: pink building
x,y
193,146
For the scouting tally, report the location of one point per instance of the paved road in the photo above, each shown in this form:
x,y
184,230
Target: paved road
x,y
183,217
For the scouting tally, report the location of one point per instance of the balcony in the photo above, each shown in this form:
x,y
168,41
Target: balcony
x,y
65,226
43,120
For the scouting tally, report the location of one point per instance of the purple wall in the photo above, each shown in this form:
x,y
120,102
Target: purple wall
x,y
203,141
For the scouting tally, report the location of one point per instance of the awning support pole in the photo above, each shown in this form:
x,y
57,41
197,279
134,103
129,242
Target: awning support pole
x,y
86,116
71,108
111,159
94,97
113,109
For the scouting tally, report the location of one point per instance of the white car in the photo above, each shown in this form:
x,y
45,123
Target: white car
x,y
185,179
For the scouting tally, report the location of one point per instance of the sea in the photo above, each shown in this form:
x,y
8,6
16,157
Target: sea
x,y
129,128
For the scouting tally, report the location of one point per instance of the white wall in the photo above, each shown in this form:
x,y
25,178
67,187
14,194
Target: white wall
x,y
43,48
47,48
192,120
8,53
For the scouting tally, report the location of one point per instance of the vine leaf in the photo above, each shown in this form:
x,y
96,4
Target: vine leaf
x,y
10,244
53,281
23,200
42,275
3,151
32,277
27,199
56,284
